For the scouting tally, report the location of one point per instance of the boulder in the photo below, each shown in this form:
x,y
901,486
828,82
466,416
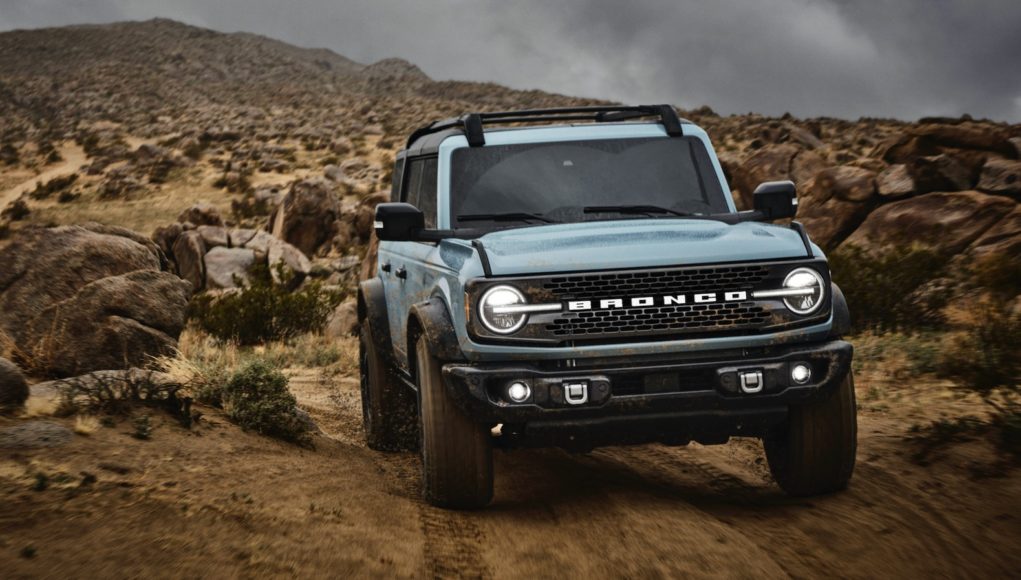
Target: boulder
x,y
225,267
1001,176
112,323
344,320
939,173
44,266
844,182
201,214
213,236
965,136
260,242
895,181
1002,239
189,253
775,162
305,218
13,386
830,221
287,265
947,222
365,214
239,237
165,236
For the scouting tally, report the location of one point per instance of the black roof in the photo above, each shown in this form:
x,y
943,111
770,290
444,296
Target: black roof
x,y
428,138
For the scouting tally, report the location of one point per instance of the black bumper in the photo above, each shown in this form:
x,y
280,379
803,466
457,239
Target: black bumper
x,y
667,401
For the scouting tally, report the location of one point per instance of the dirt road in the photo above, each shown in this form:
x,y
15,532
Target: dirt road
x,y
216,501
73,158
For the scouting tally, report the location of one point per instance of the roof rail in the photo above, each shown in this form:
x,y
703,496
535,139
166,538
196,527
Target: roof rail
x,y
472,124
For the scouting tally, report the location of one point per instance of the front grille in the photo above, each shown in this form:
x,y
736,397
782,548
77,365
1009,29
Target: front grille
x,y
652,282
661,319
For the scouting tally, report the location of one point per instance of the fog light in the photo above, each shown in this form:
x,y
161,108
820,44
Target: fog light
x,y
801,373
519,392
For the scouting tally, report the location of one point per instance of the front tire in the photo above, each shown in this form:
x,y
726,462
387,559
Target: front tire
x,y
814,453
457,453
389,413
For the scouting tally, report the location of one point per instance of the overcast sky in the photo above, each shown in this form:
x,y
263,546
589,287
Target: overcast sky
x,y
844,58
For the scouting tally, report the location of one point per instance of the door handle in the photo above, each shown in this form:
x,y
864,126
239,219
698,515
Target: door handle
x,y
386,267
402,273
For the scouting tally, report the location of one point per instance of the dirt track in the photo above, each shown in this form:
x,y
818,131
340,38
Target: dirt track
x,y
216,501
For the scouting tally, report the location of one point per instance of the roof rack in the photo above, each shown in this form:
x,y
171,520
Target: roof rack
x,y
472,123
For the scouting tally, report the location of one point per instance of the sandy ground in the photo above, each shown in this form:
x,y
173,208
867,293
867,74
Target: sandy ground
x,y
215,502
73,158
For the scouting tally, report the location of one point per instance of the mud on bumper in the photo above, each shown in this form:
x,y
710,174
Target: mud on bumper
x,y
673,402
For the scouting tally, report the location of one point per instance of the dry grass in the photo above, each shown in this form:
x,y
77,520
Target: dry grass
x,y
86,425
40,407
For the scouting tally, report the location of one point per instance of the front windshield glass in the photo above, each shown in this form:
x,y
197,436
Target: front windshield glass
x,y
557,181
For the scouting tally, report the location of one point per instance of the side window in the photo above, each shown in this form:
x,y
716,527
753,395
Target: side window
x,y
420,190
427,192
395,180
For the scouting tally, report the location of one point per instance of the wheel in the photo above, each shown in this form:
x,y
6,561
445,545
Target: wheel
x,y
457,453
389,413
814,452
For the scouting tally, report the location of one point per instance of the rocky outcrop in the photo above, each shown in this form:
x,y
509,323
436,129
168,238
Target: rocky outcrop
x,y
79,298
307,215
228,267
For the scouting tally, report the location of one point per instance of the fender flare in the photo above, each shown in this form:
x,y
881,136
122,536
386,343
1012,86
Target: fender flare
x,y
841,314
372,310
432,319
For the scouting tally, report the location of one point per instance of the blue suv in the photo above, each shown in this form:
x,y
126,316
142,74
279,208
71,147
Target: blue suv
x,y
581,277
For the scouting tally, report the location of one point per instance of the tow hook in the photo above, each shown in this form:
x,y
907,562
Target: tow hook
x,y
576,393
751,381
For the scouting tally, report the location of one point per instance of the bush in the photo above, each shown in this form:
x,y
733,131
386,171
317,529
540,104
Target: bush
x,y
263,311
985,358
887,291
256,398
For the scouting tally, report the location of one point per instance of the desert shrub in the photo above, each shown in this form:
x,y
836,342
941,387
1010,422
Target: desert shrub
x,y
263,311
117,392
985,357
256,398
45,190
888,290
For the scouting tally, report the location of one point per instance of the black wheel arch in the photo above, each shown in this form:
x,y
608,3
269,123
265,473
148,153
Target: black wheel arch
x,y
841,314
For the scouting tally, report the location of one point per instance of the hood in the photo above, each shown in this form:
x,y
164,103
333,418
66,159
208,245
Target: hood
x,y
639,243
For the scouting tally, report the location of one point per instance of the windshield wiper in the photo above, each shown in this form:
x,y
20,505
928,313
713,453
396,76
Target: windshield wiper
x,y
633,209
504,217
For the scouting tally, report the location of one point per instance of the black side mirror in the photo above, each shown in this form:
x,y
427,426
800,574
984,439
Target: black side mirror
x,y
398,222
776,199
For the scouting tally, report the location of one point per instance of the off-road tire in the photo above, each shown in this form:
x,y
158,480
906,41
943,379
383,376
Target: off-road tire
x,y
814,452
457,453
389,409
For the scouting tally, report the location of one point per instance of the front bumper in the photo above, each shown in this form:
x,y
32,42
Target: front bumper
x,y
666,401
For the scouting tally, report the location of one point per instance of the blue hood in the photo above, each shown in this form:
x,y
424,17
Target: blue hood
x,y
639,243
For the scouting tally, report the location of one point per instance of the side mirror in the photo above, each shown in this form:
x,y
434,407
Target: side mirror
x,y
776,199
398,222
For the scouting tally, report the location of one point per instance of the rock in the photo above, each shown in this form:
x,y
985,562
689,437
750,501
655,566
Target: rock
x,y
334,173
830,221
803,137
295,266
115,322
1002,239
948,222
44,266
844,182
365,214
1001,176
903,148
226,266
939,173
189,253
1016,142
201,214
306,216
344,320
775,162
260,242
368,269
13,386
33,434
239,237
895,181
341,146
165,236
965,136
213,236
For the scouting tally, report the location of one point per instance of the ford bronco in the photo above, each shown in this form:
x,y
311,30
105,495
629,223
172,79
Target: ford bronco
x,y
581,277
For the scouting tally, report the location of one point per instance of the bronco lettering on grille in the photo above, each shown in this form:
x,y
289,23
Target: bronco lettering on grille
x,y
668,300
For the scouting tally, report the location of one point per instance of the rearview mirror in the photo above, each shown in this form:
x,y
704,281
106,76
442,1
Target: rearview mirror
x,y
398,222
776,199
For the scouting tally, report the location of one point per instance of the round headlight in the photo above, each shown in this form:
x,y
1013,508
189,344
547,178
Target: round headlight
x,y
491,309
810,285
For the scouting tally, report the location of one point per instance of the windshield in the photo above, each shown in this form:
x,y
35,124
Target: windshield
x,y
559,180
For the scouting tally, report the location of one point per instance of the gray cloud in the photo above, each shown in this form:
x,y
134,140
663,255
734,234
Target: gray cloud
x,y
899,58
